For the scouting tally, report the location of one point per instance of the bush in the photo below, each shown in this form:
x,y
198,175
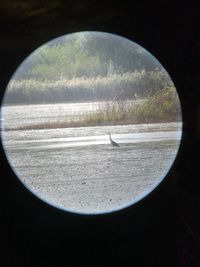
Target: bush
x,y
163,106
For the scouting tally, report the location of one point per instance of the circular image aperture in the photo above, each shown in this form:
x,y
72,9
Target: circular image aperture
x,y
91,122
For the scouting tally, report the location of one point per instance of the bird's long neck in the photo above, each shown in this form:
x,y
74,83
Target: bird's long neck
x,y
110,137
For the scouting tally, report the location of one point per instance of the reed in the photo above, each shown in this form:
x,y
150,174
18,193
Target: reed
x,y
163,106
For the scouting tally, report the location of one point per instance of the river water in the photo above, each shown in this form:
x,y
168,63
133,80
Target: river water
x,y
77,169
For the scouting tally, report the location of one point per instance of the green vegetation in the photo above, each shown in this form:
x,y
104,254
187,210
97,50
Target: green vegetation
x,y
163,106
88,67
78,89
85,54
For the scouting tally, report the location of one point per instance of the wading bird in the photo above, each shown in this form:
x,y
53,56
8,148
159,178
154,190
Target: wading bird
x,y
111,141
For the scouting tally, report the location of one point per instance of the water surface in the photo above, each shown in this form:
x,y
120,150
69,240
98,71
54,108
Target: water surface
x,y
77,169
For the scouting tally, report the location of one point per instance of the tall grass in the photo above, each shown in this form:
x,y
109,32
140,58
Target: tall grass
x,y
119,95
118,86
163,106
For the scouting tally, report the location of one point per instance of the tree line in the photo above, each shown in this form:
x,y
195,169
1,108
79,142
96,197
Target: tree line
x,y
86,67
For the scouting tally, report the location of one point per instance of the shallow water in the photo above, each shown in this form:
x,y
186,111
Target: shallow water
x,y
23,115
77,168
